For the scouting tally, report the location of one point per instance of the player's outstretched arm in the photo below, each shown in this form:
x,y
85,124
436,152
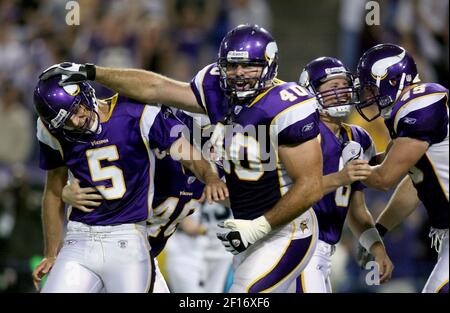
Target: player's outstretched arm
x,y
361,223
403,202
402,156
191,158
303,164
149,87
144,86
52,221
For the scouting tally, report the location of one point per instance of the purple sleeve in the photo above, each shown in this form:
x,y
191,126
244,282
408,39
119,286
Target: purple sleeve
x,y
206,88
358,186
300,131
49,158
428,123
166,129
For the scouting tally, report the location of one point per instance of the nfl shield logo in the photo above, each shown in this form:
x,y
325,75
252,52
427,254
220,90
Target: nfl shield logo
x,y
191,179
237,109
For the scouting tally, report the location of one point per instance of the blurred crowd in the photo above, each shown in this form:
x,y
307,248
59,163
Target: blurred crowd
x,y
177,38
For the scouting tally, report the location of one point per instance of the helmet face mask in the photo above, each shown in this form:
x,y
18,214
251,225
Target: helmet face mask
x,y
252,49
82,133
383,72
57,106
337,99
332,84
372,104
244,86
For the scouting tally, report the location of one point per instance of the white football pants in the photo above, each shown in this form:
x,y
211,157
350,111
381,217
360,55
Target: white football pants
x,y
108,258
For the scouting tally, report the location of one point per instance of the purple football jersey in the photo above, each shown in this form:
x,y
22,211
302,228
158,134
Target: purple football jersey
x,y
285,114
422,113
177,191
332,209
119,163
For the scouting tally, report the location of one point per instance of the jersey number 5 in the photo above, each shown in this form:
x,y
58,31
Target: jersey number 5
x,y
112,172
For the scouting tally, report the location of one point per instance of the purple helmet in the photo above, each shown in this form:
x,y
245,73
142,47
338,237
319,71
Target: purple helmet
x,y
322,69
55,105
383,72
247,45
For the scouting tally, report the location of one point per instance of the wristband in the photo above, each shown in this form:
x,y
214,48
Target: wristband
x,y
381,229
90,71
369,237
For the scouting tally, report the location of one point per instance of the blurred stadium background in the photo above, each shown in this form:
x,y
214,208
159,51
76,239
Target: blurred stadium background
x,y
177,38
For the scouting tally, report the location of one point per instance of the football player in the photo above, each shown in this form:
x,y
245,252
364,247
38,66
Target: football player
x,y
346,150
274,172
107,145
416,115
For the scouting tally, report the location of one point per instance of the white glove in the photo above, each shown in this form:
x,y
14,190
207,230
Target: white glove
x,y
352,151
238,235
72,73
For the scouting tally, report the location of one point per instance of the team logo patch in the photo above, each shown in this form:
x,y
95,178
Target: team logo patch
x,y
122,244
236,243
304,225
70,242
308,127
410,120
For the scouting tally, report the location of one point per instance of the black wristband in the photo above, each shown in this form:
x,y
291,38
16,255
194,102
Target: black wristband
x,y
90,71
381,229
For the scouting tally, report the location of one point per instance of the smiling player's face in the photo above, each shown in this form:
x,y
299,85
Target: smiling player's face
x,y
244,76
328,94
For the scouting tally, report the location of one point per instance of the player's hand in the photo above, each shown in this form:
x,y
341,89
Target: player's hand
x,y
355,170
81,198
71,72
215,190
41,270
385,265
238,235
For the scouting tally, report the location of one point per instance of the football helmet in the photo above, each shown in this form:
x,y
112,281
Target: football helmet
x,y
56,104
322,69
247,45
383,72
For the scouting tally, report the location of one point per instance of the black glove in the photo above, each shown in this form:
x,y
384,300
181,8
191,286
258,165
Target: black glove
x,y
71,72
233,241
